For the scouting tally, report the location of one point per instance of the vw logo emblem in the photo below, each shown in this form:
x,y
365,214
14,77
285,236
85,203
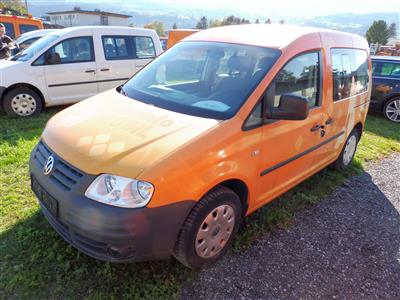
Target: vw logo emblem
x,y
48,167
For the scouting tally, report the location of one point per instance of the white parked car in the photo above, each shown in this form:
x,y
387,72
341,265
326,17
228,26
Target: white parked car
x,y
28,38
73,64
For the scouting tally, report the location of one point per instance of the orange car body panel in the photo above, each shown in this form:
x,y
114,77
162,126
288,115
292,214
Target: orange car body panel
x,y
17,20
184,156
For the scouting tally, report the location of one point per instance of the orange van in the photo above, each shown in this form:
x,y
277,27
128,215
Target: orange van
x,y
217,126
16,25
175,35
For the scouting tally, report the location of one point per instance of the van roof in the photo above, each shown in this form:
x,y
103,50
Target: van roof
x,y
386,58
266,35
103,28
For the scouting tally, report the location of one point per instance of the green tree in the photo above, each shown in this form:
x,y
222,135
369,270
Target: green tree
x,y
157,26
174,26
257,21
15,7
202,24
379,32
268,21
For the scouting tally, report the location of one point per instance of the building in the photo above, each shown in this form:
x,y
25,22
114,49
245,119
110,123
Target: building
x,y
79,17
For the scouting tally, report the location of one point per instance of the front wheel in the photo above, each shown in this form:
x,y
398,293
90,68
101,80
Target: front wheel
x,y
209,229
392,110
348,152
23,102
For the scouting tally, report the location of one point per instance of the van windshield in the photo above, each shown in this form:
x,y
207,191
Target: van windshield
x,y
35,48
205,79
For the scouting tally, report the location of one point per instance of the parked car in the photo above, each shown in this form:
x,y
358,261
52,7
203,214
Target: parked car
x,y
28,38
17,25
73,64
216,127
385,96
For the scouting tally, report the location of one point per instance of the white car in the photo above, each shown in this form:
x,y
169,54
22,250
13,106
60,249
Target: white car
x,y
73,64
28,38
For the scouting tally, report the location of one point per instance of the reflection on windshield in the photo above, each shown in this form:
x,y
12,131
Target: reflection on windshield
x,y
206,79
35,48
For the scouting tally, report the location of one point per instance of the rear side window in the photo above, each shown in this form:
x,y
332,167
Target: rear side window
x,y
301,77
350,72
144,47
117,47
386,69
128,47
26,28
9,29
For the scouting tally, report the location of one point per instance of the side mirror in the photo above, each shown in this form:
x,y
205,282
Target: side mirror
x,y
291,107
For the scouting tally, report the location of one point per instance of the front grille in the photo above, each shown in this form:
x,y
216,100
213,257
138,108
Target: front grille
x,y
63,174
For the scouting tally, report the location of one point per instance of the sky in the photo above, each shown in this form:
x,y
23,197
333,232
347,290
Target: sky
x,y
304,8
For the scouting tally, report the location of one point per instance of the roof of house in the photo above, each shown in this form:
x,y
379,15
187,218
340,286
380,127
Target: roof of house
x,y
88,12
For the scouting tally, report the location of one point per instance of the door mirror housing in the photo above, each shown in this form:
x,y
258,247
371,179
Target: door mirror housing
x,y
291,107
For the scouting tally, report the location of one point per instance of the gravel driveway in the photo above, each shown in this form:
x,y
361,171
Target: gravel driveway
x,y
346,247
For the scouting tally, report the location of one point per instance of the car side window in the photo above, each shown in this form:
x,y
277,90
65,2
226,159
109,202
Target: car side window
x,y
386,69
144,47
117,47
300,77
350,72
9,29
73,50
26,28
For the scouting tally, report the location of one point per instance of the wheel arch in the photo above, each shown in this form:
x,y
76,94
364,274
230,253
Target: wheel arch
x,y
23,84
240,188
387,99
360,128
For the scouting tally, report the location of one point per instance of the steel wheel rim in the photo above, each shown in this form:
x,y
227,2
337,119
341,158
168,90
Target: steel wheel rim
x,y
215,231
23,104
393,111
349,150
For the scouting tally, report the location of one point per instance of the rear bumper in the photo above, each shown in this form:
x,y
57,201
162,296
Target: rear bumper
x,y
105,232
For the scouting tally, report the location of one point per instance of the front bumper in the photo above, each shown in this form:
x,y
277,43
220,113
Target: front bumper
x,y
102,231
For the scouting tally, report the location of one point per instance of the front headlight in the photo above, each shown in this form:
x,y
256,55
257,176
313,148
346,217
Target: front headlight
x,y
120,191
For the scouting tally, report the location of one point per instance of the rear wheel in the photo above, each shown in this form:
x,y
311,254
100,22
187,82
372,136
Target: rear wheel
x,y
349,150
209,229
392,110
23,102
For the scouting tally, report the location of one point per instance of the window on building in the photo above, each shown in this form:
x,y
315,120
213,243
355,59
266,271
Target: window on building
x,y
350,72
104,20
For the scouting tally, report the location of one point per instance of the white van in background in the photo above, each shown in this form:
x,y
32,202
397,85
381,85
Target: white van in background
x,y
73,64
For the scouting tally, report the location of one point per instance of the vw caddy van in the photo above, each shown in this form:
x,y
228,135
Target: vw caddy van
x,y
72,64
217,126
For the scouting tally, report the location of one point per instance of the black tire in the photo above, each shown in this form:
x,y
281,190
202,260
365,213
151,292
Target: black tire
x,y
30,96
341,163
391,104
185,251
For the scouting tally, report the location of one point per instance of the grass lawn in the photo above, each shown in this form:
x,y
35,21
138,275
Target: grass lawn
x,y
36,263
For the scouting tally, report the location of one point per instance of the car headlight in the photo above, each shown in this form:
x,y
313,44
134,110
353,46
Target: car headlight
x,y
120,191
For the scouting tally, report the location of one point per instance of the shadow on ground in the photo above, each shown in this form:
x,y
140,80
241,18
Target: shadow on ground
x,y
345,247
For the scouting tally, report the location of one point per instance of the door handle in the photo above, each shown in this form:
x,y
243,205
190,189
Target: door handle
x,y
329,121
89,71
105,69
317,127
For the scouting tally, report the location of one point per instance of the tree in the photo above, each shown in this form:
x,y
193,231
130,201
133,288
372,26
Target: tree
x,y
174,26
202,24
14,7
257,21
268,21
157,26
282,22
379,32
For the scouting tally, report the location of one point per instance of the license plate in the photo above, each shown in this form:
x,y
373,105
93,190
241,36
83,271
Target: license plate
x,y
45,198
